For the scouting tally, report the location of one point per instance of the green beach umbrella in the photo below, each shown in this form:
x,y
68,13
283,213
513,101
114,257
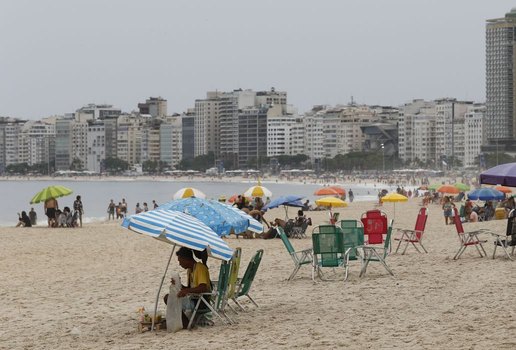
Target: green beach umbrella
x,y
462,187
50,192
434,187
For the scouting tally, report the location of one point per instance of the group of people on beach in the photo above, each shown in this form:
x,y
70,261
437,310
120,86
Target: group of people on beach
x,y
55,216
120,209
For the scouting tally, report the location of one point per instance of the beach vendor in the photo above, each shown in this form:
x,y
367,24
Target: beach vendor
x,y
198,282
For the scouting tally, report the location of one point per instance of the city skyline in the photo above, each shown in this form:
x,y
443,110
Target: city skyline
x,y
61,56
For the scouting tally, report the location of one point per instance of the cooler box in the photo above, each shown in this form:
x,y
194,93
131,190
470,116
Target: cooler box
x,y
500,214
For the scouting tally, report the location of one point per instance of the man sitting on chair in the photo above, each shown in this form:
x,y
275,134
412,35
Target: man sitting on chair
x,y
198,282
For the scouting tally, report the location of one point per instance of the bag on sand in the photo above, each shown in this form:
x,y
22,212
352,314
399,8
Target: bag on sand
x,y
174,306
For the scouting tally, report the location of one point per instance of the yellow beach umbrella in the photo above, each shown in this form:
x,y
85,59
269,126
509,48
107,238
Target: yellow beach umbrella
x,y
258,191
331,202
394,197
188,192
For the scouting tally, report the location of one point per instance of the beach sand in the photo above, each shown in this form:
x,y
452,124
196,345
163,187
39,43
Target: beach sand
x,y
81,288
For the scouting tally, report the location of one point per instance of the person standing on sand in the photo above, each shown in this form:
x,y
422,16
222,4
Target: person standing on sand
x,y
448,210
123,208
77,207
154,204
351,196
111,210
51,206
33,216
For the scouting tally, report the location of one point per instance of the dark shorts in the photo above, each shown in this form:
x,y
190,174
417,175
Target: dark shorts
x,y
51,213
448,213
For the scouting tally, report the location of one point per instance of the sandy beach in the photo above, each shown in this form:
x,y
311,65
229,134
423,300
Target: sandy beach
x,y
80,288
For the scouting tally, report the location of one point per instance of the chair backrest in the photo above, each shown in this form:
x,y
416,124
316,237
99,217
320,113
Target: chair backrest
x,y
250,273
285,240
334,218
233,274
344,224
458,223
328,245
375,226
289,225
353,236
511,225
462,211
421,222
387,242
222,285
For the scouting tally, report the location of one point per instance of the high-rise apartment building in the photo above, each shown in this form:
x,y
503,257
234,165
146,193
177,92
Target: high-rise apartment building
x,y
474,134
500,77
154,106
171,140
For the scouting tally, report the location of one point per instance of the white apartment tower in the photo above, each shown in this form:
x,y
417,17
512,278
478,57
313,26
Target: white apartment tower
x,y
96,146
171,140
474,135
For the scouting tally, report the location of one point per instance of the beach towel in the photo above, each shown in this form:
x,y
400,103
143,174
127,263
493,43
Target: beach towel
x,y
174,306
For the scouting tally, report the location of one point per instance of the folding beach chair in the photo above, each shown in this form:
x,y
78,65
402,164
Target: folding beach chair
x,y
509,240
214,300
244,284
377,248
353,237
467,238
375,226
328,250
413,236
233,277
300,231
300,258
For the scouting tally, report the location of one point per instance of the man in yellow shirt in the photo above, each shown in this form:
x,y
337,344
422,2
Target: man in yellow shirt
x,y
198,281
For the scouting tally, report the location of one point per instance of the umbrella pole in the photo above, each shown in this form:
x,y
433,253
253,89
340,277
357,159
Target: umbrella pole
x,y
160,286
286,212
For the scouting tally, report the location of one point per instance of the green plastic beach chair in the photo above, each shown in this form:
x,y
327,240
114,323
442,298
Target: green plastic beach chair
x,y
233,276
353,236
300,258
214,301
244,285
328,249
372,253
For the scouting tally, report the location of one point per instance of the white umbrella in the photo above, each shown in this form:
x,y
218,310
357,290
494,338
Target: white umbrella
x,y
188,192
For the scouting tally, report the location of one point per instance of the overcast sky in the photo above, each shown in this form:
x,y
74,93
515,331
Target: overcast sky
x,y
56,56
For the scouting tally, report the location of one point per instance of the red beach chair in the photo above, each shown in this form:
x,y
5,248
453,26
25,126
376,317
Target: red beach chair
x,y
414,236
467,238
375,226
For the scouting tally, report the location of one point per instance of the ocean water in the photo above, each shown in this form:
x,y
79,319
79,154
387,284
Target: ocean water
x,y
16,195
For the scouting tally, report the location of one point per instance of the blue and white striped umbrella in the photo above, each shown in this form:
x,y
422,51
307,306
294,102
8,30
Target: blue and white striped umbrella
x,y
219,217
179,229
